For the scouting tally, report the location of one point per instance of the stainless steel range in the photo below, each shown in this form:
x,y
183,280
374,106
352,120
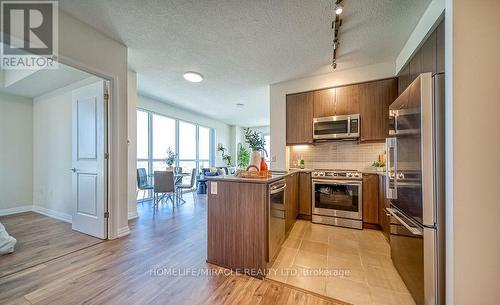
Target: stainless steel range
x,y
337,198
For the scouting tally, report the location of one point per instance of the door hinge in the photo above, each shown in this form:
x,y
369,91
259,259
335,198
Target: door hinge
x,y
106,156
106,214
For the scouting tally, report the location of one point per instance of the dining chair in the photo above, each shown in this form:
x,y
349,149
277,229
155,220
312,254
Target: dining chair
x,y
180,187
143,183
164,186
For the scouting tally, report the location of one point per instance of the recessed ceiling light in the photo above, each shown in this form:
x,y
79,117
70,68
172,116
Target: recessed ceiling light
x,y
240,105
193,77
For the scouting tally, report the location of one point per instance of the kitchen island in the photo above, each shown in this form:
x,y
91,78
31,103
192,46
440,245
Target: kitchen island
x,y
238,222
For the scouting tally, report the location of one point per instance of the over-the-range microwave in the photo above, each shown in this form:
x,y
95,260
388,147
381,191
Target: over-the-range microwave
x,y
336,127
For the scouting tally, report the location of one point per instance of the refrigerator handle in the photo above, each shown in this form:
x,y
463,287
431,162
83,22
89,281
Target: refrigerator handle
x,y
391,149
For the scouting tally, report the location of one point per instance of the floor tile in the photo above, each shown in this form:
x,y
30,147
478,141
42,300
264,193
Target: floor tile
x,y
376,260
314,247
316,233
304,280
380,247
292,242
385,278
348,291
347,264
287,255
382,296
310,260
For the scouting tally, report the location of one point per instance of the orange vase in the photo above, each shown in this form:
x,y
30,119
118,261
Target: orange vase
x,y
263,166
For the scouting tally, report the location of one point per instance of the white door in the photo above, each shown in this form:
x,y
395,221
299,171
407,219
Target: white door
x,y
88,156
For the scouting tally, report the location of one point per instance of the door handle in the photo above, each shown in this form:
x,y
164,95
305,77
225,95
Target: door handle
x,y
74,170
391,150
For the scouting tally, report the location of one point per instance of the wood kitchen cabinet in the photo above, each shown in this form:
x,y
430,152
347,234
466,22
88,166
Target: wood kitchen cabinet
x,y
403,79
374,101
347,99
370,199
305,193
324,102
291,200
383,219
299,117
428,58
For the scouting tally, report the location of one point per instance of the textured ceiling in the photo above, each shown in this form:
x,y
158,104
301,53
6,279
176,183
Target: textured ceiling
x,y
44,81
242,46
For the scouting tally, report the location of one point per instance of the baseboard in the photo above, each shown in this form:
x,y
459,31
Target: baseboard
x,y
53,214
123,231
16,210
132,215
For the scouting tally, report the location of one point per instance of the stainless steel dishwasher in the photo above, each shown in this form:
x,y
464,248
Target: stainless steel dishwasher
x,y
276,217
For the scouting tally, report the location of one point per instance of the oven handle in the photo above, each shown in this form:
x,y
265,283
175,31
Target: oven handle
x,y
413,230
278,190
343,182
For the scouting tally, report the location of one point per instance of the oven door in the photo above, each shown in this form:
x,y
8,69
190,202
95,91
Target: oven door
x,y
339,198
335,127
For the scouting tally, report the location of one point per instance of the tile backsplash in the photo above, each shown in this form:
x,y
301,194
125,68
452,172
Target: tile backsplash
x,y
336,155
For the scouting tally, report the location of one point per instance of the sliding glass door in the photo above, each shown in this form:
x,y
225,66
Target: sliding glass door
x,y
156,134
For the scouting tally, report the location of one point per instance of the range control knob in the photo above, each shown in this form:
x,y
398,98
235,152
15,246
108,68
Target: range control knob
x,y
356,175
349,175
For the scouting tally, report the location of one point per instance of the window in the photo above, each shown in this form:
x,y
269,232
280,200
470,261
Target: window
x,y
163,136
193,144
142,135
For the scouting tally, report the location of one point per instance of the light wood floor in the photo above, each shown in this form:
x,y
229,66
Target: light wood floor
x,y
127,270
39,239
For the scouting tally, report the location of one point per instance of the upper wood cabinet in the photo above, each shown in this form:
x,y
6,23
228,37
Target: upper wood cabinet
x,y
299,117
371,100
428,58
324,102
374,101
347,99
403,79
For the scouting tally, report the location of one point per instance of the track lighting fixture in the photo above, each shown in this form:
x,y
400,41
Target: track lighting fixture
x,y
339,8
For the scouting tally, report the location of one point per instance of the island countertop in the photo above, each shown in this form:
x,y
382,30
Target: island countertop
x,y
276,175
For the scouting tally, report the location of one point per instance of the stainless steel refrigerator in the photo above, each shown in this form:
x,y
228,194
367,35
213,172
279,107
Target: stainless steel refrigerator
x,y
415,187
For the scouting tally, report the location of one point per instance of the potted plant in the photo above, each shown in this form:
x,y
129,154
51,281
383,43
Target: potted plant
x,y
226,158
301,163
170,159
256,142
243,156
379,165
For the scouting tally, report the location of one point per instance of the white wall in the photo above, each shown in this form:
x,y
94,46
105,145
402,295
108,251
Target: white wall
x,y
52,178
80,45
132,143
223,133
278,100
16,153
473,203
